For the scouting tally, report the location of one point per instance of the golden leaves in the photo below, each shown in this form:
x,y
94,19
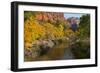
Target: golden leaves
x,y
32,30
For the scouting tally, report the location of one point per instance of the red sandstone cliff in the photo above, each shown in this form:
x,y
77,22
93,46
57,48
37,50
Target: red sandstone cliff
x,y
52,17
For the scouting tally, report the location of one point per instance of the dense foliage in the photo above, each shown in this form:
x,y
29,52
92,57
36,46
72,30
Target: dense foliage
x,y
84,26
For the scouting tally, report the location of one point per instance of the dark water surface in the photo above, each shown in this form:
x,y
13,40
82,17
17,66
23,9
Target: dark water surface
x,y
68,54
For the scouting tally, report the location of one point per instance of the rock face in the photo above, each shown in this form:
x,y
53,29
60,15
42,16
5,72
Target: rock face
x,y
73,20
41,47
74,23
52,17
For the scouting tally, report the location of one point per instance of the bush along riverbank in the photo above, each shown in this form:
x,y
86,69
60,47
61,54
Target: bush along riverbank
x,y
81,49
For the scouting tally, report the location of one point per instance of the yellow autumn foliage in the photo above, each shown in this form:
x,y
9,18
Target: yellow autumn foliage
x,y
32,30
35,31
69,32
53,32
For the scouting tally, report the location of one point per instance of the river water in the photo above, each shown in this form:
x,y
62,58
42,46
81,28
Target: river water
x,y
68,54
61,52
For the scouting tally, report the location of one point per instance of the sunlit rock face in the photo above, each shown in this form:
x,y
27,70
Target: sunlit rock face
x,y
52,17
73,20
74,23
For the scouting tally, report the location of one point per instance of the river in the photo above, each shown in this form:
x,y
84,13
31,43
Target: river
x,y
68,54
